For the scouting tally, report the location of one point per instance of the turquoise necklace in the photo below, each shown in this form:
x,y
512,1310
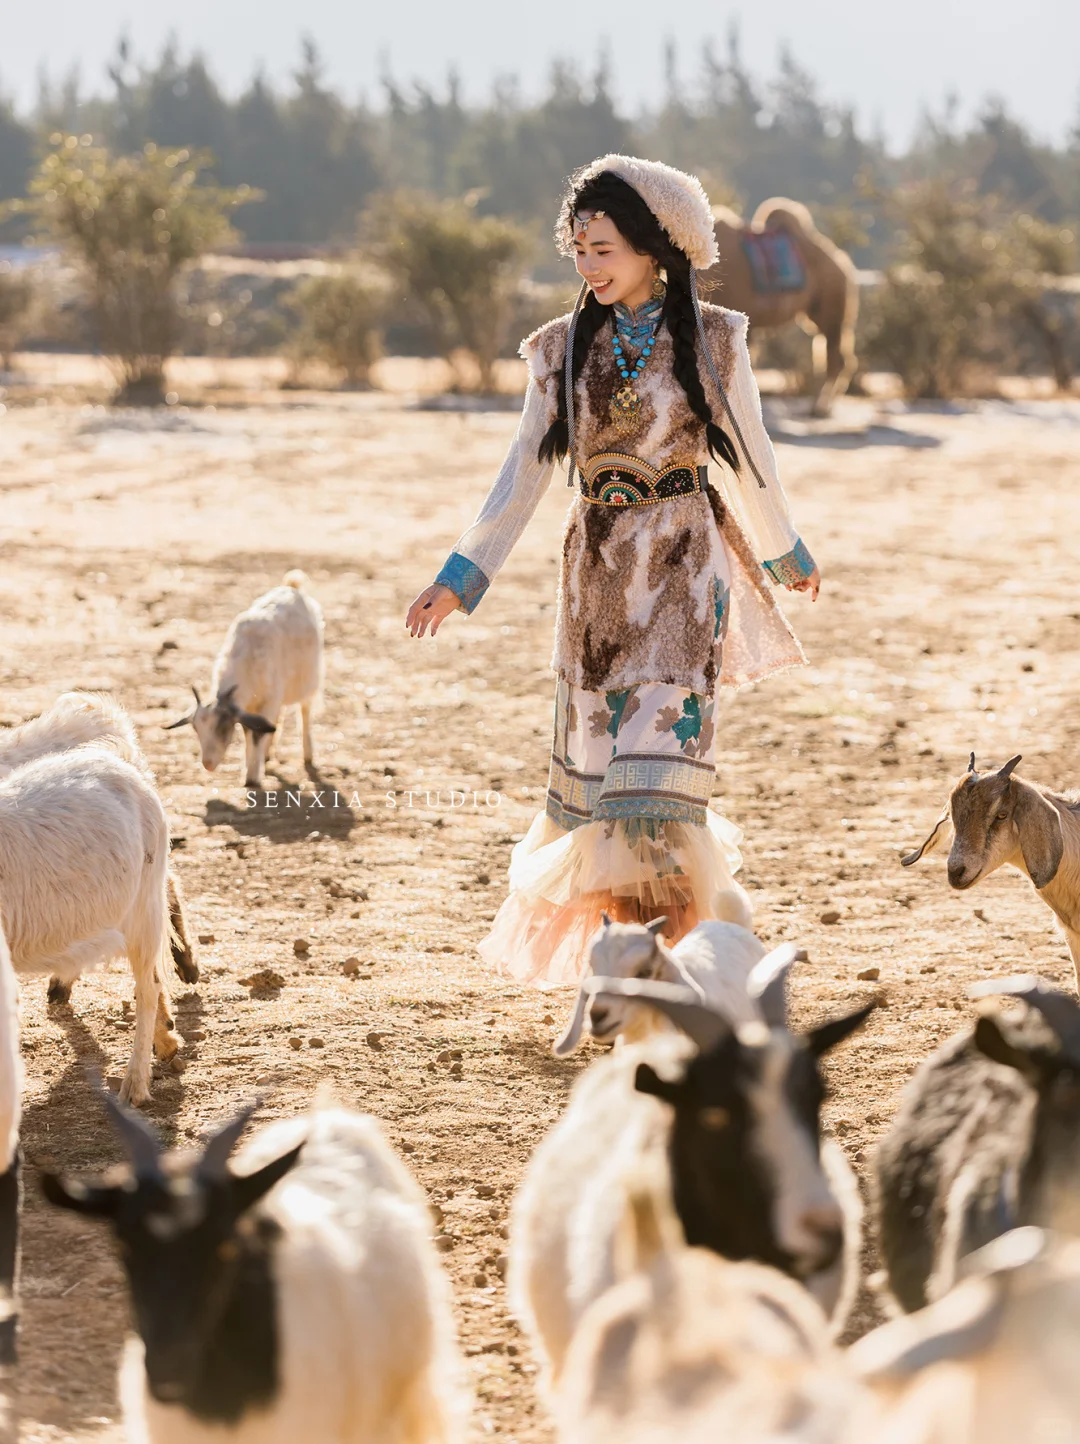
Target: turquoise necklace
x,y
636,327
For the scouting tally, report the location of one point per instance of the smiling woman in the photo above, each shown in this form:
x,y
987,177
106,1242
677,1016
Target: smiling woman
x,y
663,594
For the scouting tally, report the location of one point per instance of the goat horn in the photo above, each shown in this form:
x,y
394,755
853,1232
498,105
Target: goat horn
x,y
657,925
198,699
139,1139
1011,765
768,982
681,1005
1059,1010
212,1165
605,919
971,763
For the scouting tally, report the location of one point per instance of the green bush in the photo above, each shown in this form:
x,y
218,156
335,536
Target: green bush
x,y
131,223
341,324
16,308
459,270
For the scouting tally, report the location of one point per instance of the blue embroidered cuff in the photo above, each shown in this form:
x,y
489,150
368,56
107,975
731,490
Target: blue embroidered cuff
x,y
795,566
465,580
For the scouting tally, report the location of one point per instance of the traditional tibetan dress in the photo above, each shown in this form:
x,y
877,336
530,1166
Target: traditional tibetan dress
x,y
664,595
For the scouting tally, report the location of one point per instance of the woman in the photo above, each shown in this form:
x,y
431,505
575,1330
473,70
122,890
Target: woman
x,y
663,593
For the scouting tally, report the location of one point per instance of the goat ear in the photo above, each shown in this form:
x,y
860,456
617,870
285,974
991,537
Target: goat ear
x,y
819,1040
572,1037
993,1044
96,1201
647,1080
248,1188
253,722
656,926
180,722
1039,827
932,843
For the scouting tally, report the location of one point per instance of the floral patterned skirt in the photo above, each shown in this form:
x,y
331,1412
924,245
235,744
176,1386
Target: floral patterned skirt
x,y
627,830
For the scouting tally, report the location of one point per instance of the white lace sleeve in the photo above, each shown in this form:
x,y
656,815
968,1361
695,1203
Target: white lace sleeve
x,y
762,510
509,505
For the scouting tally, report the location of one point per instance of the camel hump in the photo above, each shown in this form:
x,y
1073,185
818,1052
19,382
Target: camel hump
x,y
781,214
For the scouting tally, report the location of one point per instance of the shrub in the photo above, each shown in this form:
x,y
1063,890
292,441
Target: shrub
x,y
16,308
461,271
341,324
131,223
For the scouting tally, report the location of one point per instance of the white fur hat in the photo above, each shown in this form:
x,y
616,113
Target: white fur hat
x,y
677,200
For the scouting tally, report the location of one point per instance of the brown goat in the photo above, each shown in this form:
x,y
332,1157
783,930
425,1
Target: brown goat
x,y
995,819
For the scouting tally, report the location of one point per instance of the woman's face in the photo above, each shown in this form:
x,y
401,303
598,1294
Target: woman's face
x,y
610,267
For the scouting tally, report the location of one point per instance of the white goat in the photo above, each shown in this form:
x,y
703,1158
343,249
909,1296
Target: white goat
x,y
690,1348
275,1312
997,819
736,1128
993,1361
714,958
82,719
271,658
85,848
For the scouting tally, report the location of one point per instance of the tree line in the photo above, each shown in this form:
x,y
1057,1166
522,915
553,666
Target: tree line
x,y
318,160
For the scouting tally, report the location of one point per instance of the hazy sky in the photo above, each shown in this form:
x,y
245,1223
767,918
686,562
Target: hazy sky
x,y
888,60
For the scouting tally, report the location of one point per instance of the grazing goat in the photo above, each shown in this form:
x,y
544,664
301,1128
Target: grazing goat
x,y
315,1311
10,1106
714,959
987,1136
993,1362
997,818
690,1348
85,848
736,1128
83,719
271,658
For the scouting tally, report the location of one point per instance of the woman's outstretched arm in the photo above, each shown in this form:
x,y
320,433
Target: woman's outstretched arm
x,y
481,551
763,510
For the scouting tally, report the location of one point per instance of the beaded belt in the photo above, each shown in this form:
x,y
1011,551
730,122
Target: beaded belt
x,y
611,479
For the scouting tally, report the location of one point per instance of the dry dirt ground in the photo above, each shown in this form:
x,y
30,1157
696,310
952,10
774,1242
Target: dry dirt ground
x,y
949,620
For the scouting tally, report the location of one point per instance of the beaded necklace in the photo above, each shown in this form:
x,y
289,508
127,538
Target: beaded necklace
x,y
634,328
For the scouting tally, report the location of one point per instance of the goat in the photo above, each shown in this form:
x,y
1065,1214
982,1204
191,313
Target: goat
x,y
83,719
987,1136
689,1348
714,959
997,818
736,1127
271,658
992,1362
85,848
296,1297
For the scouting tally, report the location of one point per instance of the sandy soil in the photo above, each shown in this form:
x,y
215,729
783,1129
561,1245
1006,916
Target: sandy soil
x,y
949,621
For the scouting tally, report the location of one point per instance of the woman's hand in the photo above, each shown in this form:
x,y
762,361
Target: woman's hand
x,y
432,607
811,584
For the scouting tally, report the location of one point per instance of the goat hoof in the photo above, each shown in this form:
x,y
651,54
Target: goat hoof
x,y
59,992
166,1046
134,1093
187,969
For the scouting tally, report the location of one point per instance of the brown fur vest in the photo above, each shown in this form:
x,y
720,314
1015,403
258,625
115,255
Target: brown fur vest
x,y
639,587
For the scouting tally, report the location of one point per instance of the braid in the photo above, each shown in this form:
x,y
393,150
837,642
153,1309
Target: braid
x,y
555,442
682,324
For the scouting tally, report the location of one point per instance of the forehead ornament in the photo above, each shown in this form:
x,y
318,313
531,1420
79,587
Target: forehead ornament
x,y
582,222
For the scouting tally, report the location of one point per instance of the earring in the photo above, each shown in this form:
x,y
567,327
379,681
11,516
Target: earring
x,y
659,289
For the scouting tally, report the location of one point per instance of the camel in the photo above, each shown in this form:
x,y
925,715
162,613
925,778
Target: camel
x,y
826,305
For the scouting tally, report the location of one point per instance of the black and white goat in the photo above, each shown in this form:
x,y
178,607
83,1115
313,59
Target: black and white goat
x,y
297,1297
91,719
987,1137
733,1124
714,959
271,658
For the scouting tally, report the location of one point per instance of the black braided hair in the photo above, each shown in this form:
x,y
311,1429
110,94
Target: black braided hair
x,y
641,230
